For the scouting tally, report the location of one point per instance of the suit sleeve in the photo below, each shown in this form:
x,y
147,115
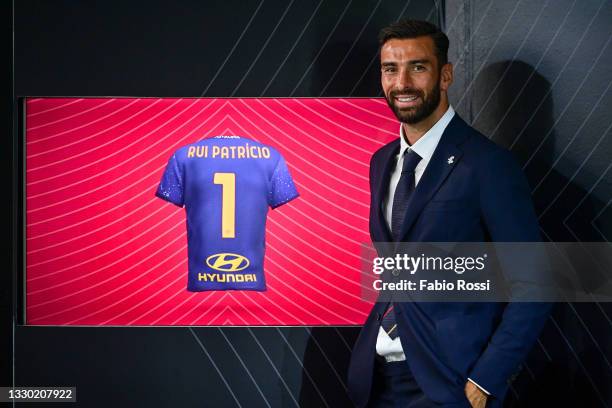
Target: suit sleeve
x,y
372,174
509,216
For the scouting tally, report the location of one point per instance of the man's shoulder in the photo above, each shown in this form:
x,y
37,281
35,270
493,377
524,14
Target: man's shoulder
x,y
489,160
385,150
482,148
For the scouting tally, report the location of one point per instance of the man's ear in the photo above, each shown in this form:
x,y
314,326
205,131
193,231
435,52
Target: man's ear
x,y
446,76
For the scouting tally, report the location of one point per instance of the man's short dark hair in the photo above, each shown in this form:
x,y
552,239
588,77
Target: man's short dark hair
x,y
416,28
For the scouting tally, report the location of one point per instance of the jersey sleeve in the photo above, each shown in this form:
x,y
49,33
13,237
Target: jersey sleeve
x,y
171,185
282,189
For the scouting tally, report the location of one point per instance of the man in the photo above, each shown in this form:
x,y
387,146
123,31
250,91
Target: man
x,y
441,181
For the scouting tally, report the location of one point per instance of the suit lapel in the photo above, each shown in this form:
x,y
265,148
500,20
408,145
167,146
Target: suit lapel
x,y
389,162
442,163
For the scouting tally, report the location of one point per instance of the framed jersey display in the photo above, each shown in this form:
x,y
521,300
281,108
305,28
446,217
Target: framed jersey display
x,y
198,211
226,242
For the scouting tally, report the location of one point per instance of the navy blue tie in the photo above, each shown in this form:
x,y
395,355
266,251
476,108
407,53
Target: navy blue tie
x,y
404,188
388,322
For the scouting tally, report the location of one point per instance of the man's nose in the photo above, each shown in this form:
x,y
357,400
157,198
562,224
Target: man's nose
x,y
404,79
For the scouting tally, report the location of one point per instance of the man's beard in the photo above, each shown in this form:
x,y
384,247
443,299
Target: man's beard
x,y
415,114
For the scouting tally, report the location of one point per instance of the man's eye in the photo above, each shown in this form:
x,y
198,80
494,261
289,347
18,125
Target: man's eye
x,y
388,69
418,68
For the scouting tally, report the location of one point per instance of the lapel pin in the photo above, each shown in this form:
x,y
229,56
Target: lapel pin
x,y
451,160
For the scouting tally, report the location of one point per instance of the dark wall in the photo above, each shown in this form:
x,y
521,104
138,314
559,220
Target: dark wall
x,y
197,48
535,77
10,223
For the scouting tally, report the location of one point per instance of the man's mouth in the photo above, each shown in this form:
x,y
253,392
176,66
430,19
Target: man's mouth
x,y
404,101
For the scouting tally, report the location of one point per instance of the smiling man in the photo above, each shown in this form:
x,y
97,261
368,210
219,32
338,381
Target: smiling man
x,y
440,181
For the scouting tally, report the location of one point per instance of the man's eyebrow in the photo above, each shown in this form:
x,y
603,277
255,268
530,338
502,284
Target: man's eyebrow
x,y
411,62
419,61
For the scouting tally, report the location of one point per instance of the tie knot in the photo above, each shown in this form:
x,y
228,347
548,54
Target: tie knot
x,y
411,159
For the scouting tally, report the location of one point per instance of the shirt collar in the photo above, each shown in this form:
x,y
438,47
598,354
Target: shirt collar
x,y
426,145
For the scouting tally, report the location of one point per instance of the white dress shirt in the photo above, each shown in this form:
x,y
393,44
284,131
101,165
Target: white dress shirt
x,y
390,349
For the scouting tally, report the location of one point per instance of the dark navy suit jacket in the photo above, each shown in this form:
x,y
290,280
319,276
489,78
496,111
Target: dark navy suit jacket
x,y
482,196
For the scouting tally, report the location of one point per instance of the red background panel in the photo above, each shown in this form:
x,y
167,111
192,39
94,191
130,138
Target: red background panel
x,y
103,250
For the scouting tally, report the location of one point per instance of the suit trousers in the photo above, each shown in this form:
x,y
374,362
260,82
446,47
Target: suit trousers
x,y
394,386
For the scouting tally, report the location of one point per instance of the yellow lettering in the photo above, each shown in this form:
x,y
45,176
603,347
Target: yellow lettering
x,y
191,151
200,151
215,151
224,152
227,277
228,203
266,152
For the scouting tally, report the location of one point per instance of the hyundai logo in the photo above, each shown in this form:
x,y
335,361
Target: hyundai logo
x,y
227,262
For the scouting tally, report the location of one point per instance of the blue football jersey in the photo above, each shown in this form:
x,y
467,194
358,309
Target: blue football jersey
x,y
226,184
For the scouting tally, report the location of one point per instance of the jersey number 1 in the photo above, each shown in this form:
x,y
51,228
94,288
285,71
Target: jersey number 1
x,y
228,203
